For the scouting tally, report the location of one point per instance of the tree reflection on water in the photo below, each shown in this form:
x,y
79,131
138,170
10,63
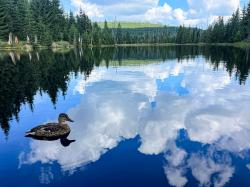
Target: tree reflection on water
x,y
22,76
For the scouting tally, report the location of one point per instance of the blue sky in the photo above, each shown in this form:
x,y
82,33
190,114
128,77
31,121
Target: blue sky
x,y
170,12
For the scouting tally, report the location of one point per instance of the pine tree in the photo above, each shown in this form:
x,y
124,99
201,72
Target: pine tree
x,y
244,24
96,34
56,20
248,21
179,37
119,34
3,21
107,37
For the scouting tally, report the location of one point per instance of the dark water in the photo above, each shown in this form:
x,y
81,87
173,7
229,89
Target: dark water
x,y
175,116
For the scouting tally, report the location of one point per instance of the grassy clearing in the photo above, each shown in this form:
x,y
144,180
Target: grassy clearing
x,y
61,45
244,45
21,46
130,25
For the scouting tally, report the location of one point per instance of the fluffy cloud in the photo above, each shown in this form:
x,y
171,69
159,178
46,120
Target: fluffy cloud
x,y
199,12
204,169
91,9
206,11
175,169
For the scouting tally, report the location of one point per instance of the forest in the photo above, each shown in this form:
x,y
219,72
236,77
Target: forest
x,y
39,22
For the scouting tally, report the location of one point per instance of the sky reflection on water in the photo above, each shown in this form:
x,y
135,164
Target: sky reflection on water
x,y
116,105
195,118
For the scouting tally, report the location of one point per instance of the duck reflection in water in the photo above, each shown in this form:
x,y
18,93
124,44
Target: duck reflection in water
x,y
53,131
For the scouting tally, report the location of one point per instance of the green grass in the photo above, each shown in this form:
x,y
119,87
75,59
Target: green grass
x,y
243,44
130,25
134,62
22,46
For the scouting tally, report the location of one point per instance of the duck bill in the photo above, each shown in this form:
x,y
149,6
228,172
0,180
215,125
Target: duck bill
x,y
70,120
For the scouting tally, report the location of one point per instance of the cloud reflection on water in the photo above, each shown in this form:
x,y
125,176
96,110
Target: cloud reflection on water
x,y
117,105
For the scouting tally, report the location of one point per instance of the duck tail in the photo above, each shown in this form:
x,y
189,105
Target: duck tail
x,y
29,133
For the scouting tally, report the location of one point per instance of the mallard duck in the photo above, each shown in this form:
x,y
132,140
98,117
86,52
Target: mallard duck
x,y
51,131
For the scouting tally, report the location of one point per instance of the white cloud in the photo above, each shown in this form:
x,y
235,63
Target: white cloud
x,y
206,11
91,9
179,14
174,170
159,13
204,167
248,166
175,177
82,84
199,12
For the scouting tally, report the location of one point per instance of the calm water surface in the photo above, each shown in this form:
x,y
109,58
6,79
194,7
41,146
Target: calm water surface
x,y
175,116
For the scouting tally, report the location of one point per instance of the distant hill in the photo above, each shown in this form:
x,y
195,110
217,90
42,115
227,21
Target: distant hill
x,y
131,25
139,32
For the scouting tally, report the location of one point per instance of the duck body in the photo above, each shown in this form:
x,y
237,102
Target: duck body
x,y
51,131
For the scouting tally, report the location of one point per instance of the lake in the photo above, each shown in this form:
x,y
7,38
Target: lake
x,y
143,116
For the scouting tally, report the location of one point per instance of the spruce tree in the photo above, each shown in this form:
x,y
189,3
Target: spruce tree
x,y
244,24
96,34
3,21
248,22
56,20
119,34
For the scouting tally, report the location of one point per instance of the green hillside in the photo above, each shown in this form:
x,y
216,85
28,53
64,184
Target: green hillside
x,y
131,25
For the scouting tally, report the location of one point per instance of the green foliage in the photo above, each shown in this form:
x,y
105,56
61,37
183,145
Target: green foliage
x,y
236,29
44,22
119,34
107,37
3,20
96,35
130,25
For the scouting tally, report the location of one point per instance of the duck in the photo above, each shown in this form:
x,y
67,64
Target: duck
x,y
51,131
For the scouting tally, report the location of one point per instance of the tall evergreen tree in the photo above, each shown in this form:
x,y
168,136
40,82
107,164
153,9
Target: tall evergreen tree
x,y
244,24
57,20
107,37
119,34
96,34
248,21
3,20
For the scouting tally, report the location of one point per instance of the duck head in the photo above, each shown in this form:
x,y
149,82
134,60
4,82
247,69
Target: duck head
x,y
63,118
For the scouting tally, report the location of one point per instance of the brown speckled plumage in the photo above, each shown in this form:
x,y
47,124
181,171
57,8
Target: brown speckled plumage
x,y
51,130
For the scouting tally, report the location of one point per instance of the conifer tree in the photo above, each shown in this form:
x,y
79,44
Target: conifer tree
x,y
3,21
119,34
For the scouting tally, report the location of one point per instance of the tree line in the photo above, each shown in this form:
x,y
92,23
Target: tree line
x,y
43,22
236,29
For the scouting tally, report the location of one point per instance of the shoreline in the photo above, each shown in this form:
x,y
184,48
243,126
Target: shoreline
x,y
57,47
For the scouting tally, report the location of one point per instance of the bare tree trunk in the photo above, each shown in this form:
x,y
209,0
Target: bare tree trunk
x,y
18,56
10,38
91,41
80,40
30,56
28,39
36,39
12,56
16,40
37,56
